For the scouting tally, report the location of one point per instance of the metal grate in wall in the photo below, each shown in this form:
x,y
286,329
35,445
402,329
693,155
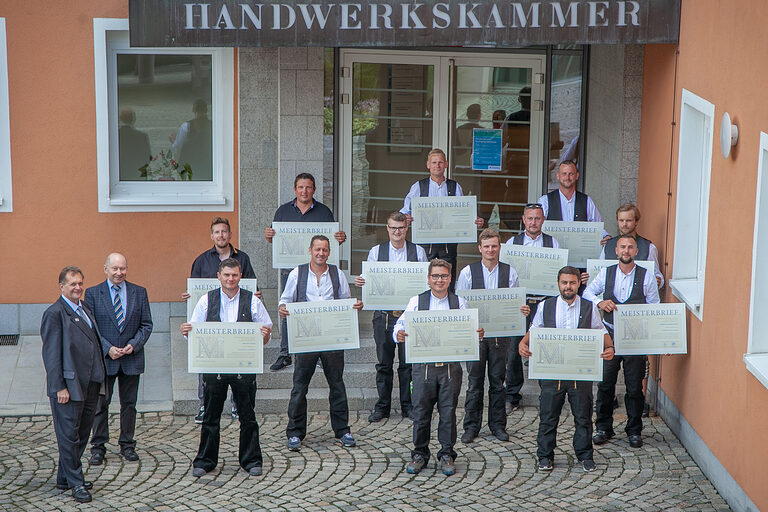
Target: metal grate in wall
x,y
9,340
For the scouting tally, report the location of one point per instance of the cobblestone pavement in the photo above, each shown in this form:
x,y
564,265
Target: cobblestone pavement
x,y
323,476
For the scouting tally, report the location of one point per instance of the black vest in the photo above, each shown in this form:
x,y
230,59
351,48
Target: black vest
x,y
478,281
300,295
556,213
410,250
453,301
550,313
424,187
637,296
519,238
214,306
643,248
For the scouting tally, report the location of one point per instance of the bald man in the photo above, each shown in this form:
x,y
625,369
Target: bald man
x,y
122,314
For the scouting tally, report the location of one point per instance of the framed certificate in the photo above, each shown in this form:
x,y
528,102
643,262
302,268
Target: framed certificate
x,y
390,285
536,267
225,347
566,354
290,245
642,329
444,336
582,239
322,326
199,286
444,219
498,311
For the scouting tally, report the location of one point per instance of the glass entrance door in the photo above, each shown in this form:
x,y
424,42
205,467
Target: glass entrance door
x,y
396,106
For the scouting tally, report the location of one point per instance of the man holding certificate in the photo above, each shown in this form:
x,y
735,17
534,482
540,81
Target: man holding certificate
x,y
533,219
566,311
303,208
436,185
623,283
487,273
230,303
311,282
434,383
396,250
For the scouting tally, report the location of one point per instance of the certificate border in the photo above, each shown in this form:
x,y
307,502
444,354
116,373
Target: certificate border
x,y
534,374
354,344
659,351
470,238
239,370
469,357
390,306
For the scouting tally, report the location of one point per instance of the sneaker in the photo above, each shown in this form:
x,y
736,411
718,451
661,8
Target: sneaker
x,y
347,441
545,464
377,416
588,465
199,415
235,416
280,363
413,467
468,436
646,410
447,466
601,436
294,444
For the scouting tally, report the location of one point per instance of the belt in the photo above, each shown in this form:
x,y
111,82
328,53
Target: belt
x,y
397,313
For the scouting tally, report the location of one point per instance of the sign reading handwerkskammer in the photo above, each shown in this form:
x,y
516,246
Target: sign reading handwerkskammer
x,y
393,23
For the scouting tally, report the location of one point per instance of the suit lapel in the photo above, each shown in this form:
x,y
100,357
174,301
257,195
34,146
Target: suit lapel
x,y
107,298
130,294
79,322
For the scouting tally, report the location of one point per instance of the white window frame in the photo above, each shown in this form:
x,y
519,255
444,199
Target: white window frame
x,y
756,359
6,186
689,263
110,36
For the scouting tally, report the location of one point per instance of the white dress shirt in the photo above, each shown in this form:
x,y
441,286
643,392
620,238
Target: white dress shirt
x,y
435,304
490,278
230,308
568,208
622,287
322,290
534,242
397,255
567,315
435,190
653,255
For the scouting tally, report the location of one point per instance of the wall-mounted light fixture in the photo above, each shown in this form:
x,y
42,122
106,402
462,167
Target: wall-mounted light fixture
x,y
729,135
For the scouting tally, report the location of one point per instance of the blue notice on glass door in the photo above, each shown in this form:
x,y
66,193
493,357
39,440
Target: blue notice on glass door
x,y
486,150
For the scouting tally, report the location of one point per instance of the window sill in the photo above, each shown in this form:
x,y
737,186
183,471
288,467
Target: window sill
x,y
170,200
688,291
757,364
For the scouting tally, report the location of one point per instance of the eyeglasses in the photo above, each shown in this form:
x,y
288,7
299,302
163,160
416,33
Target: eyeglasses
x,y
397,228
437,277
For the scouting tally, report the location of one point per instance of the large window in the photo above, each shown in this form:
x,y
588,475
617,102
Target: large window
x,y
6,199
164,124
757,347
694,163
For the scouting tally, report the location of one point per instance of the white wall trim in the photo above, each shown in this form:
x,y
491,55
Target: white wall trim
x,y
6,185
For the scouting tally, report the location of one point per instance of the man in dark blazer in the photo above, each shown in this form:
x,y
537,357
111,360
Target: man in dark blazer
x,y
74,366
122,314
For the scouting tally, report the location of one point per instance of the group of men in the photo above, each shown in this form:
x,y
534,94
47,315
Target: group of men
x,y
95,337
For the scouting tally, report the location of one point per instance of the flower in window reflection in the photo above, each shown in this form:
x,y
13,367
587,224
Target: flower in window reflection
x,y
162,167
365,116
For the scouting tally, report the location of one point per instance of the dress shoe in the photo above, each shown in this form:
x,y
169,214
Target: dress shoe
x,y
501,434
468,436
282,362
601,436
447,466
97,458
413,467
129,454
65,486
635,441
509,407
81,494
377,416
255,471
198,472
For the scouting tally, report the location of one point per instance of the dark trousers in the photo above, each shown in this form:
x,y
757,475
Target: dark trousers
x,y
445,252
304,369
432,385
383,324
551,403
128,387
634,371
72,423
244,394
493,354
515,374
283,322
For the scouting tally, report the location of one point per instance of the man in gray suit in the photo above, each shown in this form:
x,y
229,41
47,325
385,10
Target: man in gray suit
x,y
122,313
75,374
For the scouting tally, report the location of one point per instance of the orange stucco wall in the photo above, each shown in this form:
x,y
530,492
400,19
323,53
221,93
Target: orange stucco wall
x,y
721,58
55,221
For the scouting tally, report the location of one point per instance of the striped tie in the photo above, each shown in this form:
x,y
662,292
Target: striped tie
x,y
117,305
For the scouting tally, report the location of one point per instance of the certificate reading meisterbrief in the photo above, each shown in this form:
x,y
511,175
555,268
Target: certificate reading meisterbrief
x,y
290,245
441,336
566,354
498,310
321,326
595,266
642,329
225,347
389,285
199,286
536,267
444,219
582,239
